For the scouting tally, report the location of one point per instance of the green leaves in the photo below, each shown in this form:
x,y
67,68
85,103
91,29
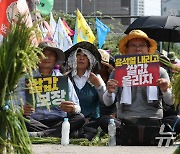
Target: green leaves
x,y
174,81
18,56
176,88
97,141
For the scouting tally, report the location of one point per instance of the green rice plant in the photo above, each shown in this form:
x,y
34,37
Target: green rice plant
x,y
176,89
18,56
175,81
98,140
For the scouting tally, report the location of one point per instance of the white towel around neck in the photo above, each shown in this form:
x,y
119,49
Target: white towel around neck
x,y
126,97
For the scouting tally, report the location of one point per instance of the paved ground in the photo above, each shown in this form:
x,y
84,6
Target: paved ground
x,y
73,149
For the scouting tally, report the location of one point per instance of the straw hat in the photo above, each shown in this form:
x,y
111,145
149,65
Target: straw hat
x,y
136,34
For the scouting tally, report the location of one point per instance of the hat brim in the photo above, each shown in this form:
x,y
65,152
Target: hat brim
x,y
60,54
84,45
127,38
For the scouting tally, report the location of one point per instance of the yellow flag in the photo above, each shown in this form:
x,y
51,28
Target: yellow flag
x,y
82,30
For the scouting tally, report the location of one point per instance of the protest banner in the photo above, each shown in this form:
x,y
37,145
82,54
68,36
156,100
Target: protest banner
x,y
47,91
137,70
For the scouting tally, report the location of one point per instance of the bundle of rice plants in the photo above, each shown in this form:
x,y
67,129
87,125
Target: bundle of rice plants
x,y
18,56
175,81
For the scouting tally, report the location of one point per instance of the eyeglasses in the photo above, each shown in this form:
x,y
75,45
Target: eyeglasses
x,y
137,46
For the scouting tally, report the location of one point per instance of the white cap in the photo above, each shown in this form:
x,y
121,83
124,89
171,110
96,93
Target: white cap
x,y
65,119
111,120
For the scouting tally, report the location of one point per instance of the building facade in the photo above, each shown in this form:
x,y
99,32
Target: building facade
x,y
89,7
145,8
171,7
119,9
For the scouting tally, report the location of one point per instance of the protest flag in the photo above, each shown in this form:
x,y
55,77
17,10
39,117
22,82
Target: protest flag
x,y
7,7
102,31
62,39
49,31
68,29
82,30
43,30
11,9
23,9
52,23
9,13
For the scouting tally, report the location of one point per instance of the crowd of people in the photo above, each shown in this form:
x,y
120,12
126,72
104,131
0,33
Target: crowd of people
x,y
94,94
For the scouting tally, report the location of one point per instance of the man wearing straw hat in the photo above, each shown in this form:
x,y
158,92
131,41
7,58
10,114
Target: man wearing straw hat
x,y
139,101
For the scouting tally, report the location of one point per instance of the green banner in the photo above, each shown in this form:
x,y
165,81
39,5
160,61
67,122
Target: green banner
x,y
49,91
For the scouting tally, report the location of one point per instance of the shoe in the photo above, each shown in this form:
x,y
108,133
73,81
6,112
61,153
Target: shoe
x,y
90,133
77,134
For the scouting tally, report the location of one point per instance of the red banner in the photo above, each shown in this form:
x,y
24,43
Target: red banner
x,y
137,70
8,9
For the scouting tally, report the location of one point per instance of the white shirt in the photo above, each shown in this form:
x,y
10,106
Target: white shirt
x,y
72,93
80,81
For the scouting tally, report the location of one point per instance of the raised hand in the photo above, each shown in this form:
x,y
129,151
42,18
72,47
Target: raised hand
x,y
111,85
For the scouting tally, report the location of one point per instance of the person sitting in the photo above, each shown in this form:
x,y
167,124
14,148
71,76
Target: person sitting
x,y
106,112
81,60
107,64
44,122
135,102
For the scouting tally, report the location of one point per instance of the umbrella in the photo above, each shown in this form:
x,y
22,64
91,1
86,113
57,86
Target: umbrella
x,y
159,28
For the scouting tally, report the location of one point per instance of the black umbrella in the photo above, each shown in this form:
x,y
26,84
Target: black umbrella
x,y
159,28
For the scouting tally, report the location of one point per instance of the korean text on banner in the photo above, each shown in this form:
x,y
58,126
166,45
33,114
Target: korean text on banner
x,y
137,70
47,91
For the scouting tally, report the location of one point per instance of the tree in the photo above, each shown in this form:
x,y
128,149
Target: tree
x,y
173,47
